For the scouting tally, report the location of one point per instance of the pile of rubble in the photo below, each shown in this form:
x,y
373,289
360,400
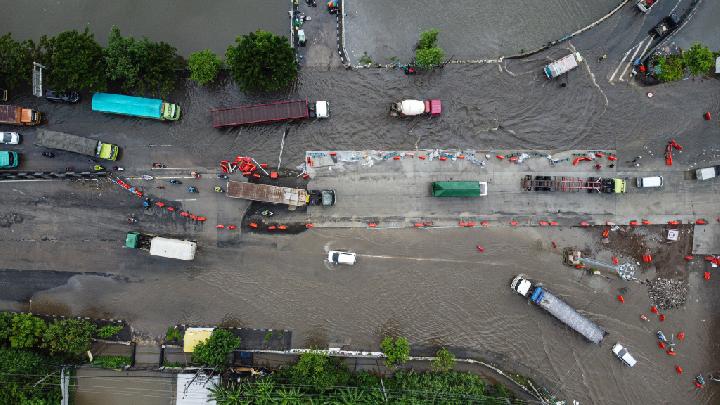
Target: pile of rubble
x,y
666,293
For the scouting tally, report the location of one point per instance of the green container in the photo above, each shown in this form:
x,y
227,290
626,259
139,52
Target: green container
x,y
459,189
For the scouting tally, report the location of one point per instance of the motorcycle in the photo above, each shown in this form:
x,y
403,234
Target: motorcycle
x,y
218,189
48,154
173,181
159,165
192,189
222,176
267,213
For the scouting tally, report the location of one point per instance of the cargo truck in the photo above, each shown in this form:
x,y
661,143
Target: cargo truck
x,y
411,108
76,144
574,184
562,65
459,189
135,106
546,300
707,172
14,115
292,197
269,112
164,247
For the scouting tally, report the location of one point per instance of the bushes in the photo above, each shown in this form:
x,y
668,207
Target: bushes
x,y
68,336
112,362
318,370
444,360
397,351
173,335
109,331
427,54
26,331
214,352
19,371
204,66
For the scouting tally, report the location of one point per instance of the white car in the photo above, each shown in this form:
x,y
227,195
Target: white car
x,y
623,354
9,138
340,257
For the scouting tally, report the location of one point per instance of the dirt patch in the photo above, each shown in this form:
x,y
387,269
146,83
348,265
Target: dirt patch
x,y
8,220
667,294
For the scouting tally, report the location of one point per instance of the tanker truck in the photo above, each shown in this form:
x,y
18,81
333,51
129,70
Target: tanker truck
x,y
411,108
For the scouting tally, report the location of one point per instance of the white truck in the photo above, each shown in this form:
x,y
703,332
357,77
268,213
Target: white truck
x,y
707,172
164,247
622,353
562,65
645,5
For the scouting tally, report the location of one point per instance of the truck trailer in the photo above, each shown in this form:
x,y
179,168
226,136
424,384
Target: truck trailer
x,y
159,246
135,106
292,197
546,300
269,112
76,144
573,184
14,115
562,65
459,189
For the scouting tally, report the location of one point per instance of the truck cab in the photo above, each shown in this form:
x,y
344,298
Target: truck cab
x,y
170,111
107,151
325,198
521,285
29,117
321,110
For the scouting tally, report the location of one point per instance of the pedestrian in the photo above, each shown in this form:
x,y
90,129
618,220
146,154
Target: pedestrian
x,y
598,166
611,165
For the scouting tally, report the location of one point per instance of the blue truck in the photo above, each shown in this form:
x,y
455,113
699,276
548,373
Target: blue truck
x,y
135,106
546,300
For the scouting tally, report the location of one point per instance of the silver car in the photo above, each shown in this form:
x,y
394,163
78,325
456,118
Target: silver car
x,y
9,138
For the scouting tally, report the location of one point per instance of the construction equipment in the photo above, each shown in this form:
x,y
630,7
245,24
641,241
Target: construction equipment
x,y
573,257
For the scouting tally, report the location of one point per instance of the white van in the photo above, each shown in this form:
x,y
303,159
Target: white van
x,y
652,181
623,354
340,257
706,173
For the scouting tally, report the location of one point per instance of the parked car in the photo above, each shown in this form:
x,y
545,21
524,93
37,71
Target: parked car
x,y
652,181
70,97
665,26
9,159
622,353
341,257
301,37
9,138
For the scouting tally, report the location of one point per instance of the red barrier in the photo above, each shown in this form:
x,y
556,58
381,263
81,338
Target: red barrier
x,y
681,335
271,227
554,223
201,219
501,157
422,157
372,225
700,222
171,209
220,226
615,260
678,369
544,223
282,227
654,309
253,225
689,257
645,222
612,157
160,204
443,158
707,275
584,224
484,223
661,317
396,157
513,223
634,223
309,226
621,299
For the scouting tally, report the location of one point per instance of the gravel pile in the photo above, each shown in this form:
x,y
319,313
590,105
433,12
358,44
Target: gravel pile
x,y
667,294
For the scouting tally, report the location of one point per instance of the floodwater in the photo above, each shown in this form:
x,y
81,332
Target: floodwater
x,y
188,25
469,29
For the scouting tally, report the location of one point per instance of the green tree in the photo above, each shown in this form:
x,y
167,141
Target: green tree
x,y
670,68
204,66
699,59
74,61
318,370
19,371
68,336
140,65
26,331
262,61
5,327
427,53
444,360
397,351
214,352
15,61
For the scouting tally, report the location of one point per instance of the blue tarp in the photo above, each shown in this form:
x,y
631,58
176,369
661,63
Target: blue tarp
x,y
127,105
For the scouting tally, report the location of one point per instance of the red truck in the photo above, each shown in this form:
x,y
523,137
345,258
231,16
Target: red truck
x,y
11,114
269,112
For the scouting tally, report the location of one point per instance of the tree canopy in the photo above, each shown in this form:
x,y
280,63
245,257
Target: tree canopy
x,y
27,330
214,352
204,66
444,360
68,336
74,61
262,61
699,59
15,61
428,54
397,351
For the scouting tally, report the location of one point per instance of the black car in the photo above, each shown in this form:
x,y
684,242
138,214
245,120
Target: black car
x,y
666,26
70,97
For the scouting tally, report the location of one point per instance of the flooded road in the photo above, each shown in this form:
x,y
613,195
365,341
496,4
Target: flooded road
x,y
185,24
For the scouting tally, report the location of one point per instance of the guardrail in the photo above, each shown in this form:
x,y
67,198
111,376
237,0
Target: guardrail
x,y
17,175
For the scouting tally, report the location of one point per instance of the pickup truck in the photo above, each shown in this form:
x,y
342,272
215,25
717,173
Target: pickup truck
x,y
707,172
665,26
622,353
645,5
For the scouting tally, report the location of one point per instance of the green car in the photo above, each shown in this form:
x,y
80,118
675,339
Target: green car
x,y
8,159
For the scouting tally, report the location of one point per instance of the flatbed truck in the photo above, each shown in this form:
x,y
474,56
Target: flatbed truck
x,y
14,115
574,184
540,296
292,197
76,144
276,111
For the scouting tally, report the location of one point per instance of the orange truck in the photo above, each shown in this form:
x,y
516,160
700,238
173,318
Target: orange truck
x,y
11,114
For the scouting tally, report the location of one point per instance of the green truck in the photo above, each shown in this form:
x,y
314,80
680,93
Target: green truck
x,y
8,159
459,189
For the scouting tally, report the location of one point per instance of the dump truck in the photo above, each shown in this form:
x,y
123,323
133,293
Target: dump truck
x,y
292,197
574,184
546,300
562,65
411,108
76,144
14,115
269,112
159,246
135,106
459,189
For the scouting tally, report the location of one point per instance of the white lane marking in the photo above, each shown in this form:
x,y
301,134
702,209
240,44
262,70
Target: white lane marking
x,y
30,180
186,199
162,178
632,59
158,146
420,259
621,62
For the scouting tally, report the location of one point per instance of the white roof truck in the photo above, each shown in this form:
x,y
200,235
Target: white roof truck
x,y
546,300
707,173
164,247
622,353
562,65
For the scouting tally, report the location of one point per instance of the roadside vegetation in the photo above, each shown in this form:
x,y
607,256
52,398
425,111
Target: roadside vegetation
x,y
319,378
699,60
428,54
31,348
74,61
215,351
